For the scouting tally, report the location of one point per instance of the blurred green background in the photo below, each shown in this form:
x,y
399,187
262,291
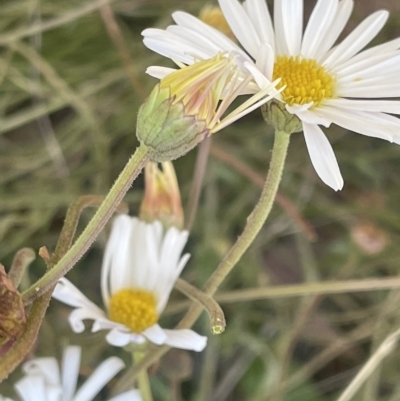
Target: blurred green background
x,y
69,95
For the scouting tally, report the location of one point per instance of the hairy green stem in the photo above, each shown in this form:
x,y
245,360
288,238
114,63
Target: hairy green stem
x,y
143,378
96,224
254,223
22,259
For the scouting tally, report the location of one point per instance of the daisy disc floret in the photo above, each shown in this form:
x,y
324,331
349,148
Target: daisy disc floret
x,y
188,104
140,266
304,81
43,379
323,83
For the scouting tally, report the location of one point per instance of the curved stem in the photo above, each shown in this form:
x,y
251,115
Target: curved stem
x,y
96,224
22,259
255,221
71,223
215,313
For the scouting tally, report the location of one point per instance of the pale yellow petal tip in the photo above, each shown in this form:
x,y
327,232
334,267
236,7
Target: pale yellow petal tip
x,y
162,198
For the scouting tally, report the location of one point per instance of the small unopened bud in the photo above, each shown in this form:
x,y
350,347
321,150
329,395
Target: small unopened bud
x,y
275,114
162,199
12,312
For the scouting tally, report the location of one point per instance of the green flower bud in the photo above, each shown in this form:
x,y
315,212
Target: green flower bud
x,y
165,128
187,105
276,115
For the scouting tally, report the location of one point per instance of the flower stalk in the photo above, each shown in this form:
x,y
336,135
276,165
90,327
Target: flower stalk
x,y
255,221
143,378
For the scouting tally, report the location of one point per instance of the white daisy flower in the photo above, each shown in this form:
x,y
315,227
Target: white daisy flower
x,y
140,266
43,380
324,84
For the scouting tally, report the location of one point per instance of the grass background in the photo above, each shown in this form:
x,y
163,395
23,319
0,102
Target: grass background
x,y
68,105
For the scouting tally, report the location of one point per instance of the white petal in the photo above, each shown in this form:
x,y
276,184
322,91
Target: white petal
x,y
174,46
260,78
370,91
116,261
118,338
155,334
132,395
99,378
67,293
370,54
382,71
307,116
70,371
357,39
385,106
322,156
31,388
320,21
185,339
241,25
291,15
340,20
106,324
45,367
265,61
159,72
77,316
258,12
363,123
202,44
220,41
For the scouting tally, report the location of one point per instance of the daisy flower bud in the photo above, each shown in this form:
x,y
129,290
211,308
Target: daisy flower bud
x,y
162,198
187,105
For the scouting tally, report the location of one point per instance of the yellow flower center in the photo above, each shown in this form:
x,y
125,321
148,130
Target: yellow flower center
x,y
133,308
306,81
